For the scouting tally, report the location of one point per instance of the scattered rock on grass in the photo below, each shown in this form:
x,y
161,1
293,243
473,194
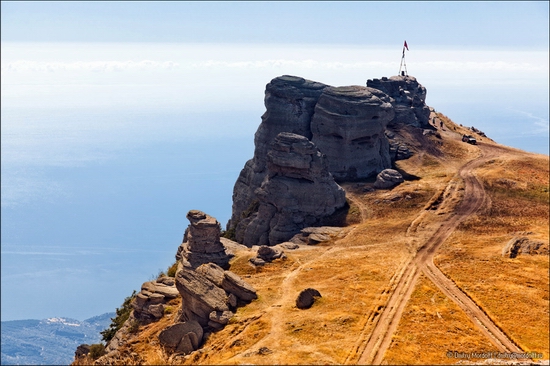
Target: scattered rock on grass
x,y
306,298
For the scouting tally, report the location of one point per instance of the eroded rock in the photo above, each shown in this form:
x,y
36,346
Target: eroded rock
x,y
388,178
183,337
348,127
298,192
524,245
201,242
267,254
408,98
289,102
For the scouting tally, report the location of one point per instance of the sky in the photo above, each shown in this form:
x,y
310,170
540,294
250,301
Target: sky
x,y
119,117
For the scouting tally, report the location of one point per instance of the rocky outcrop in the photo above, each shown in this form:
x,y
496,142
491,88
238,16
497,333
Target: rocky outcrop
x,y
306,298
524,245
184,337
348,127
388,178
297,192
315,235
408,100
210,294
149,303
289,103
267,254
201,241
347,124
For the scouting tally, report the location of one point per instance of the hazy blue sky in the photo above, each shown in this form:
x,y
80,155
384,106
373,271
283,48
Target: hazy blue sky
x,y
119,117
448,24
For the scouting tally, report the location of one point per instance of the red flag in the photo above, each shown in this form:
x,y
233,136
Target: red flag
x,y
405,46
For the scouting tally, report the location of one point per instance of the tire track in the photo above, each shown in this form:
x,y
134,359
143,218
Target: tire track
x,y
381,336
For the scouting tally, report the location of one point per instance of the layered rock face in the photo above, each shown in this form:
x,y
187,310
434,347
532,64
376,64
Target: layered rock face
x,y
297,192
201,242
210,295
149,303
408,99
289,103
348,126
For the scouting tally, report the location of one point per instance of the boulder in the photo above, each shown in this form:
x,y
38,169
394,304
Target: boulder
x,y
183,337
524,245
348,127
267,254
306,298
199,296
399,151
388,178
169,291
235,285
209,293
298,192
221,317
315,235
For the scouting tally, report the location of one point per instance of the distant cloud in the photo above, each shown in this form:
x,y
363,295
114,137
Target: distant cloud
x,y
541,125
267,64
95,66
482,66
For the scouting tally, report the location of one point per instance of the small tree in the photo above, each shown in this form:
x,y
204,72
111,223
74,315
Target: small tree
x,y
122,314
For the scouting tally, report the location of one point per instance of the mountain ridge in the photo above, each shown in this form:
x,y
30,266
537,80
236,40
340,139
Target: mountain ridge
x,y
424,251
49,341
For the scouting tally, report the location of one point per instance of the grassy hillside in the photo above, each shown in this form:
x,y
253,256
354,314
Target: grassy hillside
x,y
357,271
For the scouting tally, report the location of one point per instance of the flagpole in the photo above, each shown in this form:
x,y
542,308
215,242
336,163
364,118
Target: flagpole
x,y
402,59
403,63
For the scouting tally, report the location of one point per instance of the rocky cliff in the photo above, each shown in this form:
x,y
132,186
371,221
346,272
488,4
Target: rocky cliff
x,y
348,127
297,192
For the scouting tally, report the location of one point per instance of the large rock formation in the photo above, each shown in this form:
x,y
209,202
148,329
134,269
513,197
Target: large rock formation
x,y
201,241
348,126
408,100
297,192
289,103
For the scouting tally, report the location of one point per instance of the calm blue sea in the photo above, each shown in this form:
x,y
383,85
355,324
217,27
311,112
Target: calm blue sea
x,y
85,222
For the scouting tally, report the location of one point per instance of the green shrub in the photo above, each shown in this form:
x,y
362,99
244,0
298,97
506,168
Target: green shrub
x,y
96,351
122,314
134,326
171,272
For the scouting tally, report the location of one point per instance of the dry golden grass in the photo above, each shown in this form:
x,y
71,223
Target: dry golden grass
x,y
431,326
513,292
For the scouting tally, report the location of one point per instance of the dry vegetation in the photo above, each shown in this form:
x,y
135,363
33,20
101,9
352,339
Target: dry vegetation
x,y
513,292
433,325
355,272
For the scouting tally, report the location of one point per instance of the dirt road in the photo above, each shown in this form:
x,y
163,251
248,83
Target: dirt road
x,y
474,197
